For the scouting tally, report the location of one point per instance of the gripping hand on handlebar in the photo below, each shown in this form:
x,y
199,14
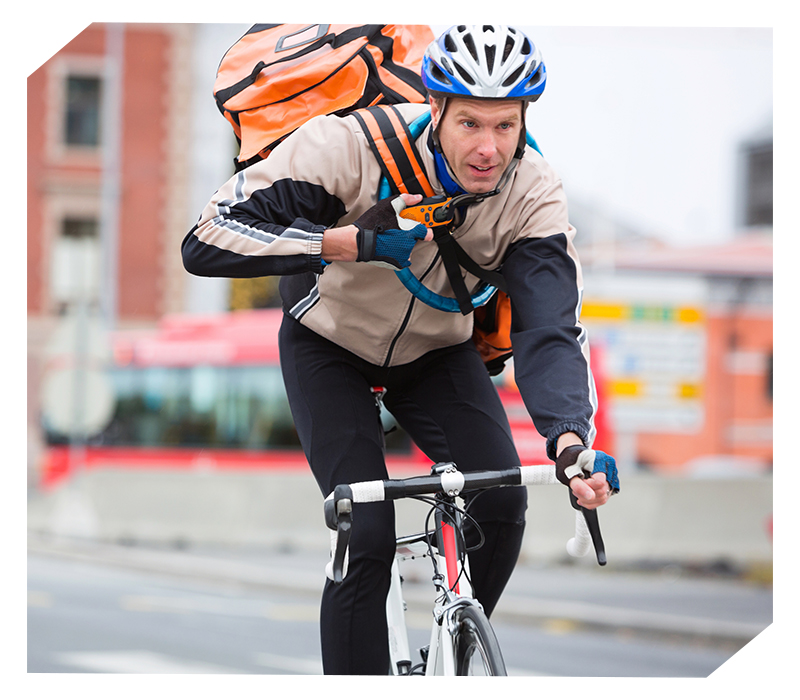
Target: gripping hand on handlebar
x,y
590,474
592,477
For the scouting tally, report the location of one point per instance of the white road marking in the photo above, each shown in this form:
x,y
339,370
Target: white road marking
x,y
216,606
135,661
148,662
523,672
290,664
39,599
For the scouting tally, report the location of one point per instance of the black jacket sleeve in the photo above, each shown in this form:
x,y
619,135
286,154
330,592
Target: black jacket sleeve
x,y
550,348
274,230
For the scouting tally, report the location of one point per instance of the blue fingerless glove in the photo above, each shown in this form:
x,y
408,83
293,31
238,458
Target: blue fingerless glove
x,y
577,459
386,239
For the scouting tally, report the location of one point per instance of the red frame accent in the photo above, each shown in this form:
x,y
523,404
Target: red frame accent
x,y
450,555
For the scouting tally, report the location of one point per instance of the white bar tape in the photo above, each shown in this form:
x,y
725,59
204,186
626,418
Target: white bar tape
x,y
538,475
579,545
368,492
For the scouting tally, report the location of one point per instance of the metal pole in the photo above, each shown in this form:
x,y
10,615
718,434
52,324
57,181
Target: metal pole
x,y
110,130
77,445
111,175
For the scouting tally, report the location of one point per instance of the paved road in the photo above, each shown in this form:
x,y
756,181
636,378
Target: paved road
x,y
132,610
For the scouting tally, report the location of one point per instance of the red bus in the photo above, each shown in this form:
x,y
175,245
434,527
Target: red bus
x,y
205,392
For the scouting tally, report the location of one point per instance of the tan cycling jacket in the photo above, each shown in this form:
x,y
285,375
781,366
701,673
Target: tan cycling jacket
x,y
269,218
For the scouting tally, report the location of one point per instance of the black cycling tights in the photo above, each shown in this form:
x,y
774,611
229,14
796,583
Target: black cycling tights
x,y
448,404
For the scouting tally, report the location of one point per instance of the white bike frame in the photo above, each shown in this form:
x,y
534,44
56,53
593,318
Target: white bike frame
x,y
456,591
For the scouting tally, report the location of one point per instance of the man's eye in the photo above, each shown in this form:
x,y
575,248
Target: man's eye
x,y
469,124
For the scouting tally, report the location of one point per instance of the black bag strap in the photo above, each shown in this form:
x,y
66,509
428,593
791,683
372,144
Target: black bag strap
x,y
447,249
491,277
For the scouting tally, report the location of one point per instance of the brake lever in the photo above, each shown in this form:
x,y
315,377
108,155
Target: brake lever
x,y
593,525
343,519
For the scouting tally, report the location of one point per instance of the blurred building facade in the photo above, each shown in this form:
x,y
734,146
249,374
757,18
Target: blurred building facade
x,y
68,167
685,335
119,165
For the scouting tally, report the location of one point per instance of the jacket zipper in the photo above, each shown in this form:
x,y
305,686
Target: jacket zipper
x,y
404,325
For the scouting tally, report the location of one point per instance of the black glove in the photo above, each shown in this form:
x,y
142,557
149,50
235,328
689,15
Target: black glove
x,y
386,239
577,460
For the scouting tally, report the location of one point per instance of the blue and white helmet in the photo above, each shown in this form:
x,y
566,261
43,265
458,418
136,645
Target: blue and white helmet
x,y
488,61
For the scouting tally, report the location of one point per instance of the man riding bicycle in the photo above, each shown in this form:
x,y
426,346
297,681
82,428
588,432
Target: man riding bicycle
x,y
310,214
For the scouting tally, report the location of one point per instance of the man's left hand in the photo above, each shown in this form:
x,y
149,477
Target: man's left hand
x,y
592,491
590,474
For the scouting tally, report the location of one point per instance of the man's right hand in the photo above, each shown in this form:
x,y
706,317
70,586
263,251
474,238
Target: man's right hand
x,y
384,238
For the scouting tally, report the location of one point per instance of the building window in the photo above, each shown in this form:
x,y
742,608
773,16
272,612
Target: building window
x,y
758,207
770,376
82,111
75,273
76,228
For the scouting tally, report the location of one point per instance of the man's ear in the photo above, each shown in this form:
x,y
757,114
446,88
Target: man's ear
x,y
437,103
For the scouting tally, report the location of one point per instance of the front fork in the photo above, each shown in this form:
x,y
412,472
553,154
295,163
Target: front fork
x,y
452,579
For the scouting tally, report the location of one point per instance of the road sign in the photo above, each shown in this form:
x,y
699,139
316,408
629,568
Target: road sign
x,y
77,396
654,363
77,403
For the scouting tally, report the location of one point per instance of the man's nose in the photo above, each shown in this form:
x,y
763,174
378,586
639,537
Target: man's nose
x,y
487,145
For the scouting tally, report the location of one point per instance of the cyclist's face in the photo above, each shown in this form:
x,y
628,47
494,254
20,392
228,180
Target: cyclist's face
x,y
479,138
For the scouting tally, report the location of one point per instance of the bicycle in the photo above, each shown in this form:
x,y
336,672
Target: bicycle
x,y
462,641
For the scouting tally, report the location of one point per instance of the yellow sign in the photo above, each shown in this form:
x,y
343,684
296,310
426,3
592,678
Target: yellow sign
x,y
618,312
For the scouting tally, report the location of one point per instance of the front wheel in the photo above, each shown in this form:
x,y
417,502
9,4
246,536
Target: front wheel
x,y
477,652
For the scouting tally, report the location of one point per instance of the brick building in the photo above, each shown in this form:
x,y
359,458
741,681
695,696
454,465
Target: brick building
x,y
114,178
145,184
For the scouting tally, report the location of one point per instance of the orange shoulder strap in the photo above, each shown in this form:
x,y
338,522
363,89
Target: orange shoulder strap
x,y
393,146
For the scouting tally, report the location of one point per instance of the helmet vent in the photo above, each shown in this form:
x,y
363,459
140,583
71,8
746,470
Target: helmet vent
x,y
511,79
536,77
507,48
465,76
490,51
440,75
449,44
526,46
469,42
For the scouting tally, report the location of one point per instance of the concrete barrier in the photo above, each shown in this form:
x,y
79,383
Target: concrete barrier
x,y
653,518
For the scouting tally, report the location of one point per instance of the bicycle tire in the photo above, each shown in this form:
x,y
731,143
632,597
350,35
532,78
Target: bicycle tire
x,y
477,652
